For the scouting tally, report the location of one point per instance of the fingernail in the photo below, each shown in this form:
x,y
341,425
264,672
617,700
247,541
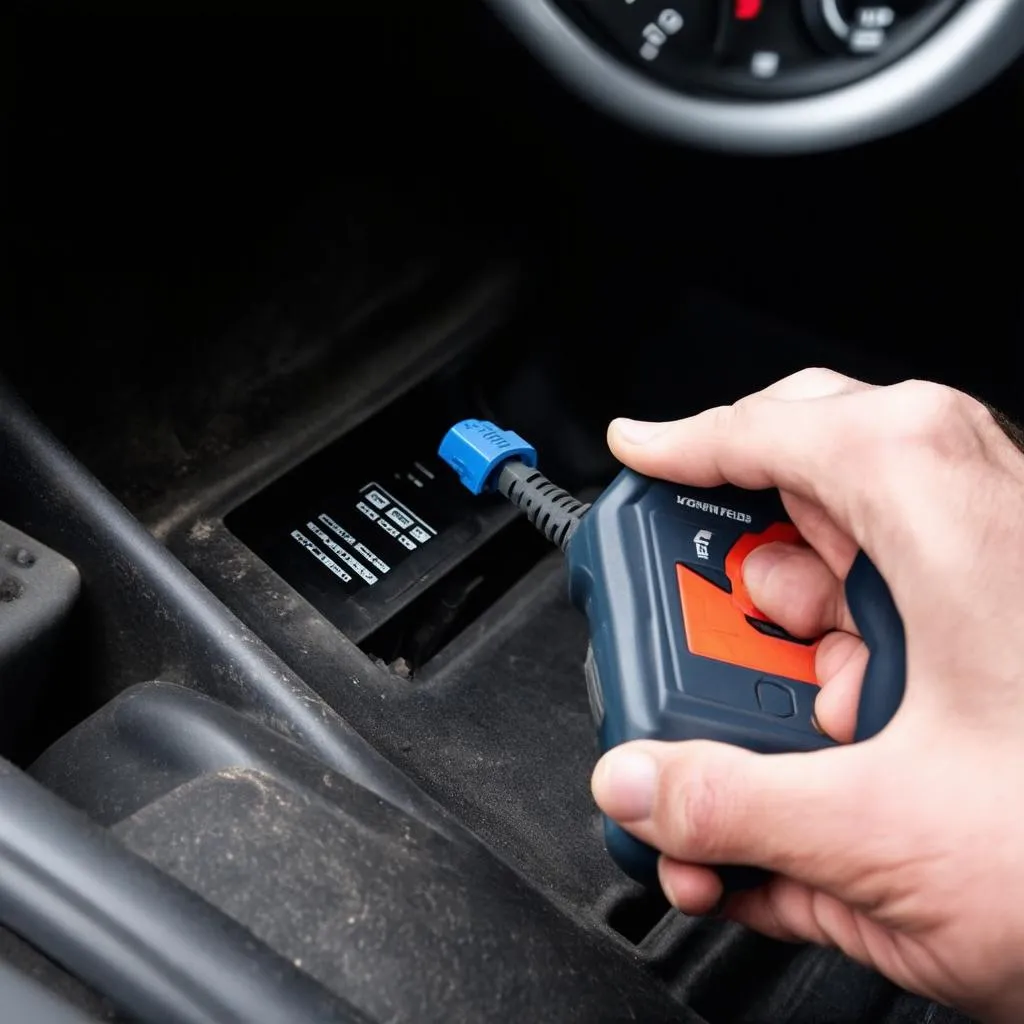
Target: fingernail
x,y
637,431
760,562
624,784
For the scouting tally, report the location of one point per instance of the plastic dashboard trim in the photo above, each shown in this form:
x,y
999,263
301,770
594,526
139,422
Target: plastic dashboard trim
x,y
976,43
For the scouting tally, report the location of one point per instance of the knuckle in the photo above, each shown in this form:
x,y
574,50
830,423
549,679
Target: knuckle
x,y
812,382
935,415
743,415
818,378
689,808
926,406
723,419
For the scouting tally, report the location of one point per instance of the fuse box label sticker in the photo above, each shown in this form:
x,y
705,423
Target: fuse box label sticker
x,y
339,530
359,558
405,513
378,563
347,488
396,515
361,562
360,549
320,556
353,563
388,528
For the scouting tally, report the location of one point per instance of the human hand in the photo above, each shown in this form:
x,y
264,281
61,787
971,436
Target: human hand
x,y
907,850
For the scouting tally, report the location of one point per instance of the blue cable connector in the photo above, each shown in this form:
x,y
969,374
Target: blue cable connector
x,y
488,458
477,449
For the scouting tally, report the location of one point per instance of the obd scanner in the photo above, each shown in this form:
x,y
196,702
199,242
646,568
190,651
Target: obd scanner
x,y
677,649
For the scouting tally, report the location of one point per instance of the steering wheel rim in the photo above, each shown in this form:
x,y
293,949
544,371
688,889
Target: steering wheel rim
x,y
978,41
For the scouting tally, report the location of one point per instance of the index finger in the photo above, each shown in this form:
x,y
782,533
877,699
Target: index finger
x,y
703,450
756,445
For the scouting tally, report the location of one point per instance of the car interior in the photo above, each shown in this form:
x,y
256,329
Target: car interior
x,y
258,262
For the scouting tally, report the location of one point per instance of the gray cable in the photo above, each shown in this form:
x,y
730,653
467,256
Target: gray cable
x,y
554,512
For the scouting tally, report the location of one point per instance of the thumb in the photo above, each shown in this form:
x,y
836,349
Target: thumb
x,y
712,803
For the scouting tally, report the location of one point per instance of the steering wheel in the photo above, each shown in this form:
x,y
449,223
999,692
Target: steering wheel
x,y
771,76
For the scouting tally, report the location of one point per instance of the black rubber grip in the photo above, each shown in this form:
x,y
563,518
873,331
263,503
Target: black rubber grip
x,y
553,511
878,620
